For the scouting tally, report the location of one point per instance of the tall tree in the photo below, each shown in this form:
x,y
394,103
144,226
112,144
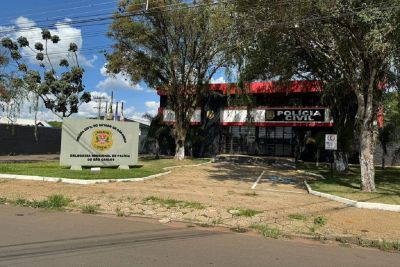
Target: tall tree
x,y
61,93
12,90
176,46
350,43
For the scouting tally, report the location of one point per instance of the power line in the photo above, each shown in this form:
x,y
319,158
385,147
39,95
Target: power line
x,y
274,23
72,16
47,11
153,10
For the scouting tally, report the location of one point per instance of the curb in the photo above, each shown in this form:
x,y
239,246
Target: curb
x,y
92,181
311,174
353,203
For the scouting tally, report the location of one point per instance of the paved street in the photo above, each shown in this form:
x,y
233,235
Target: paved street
x,y
33,237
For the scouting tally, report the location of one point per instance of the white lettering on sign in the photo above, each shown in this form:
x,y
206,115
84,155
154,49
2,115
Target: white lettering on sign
x,y
299,115
331,141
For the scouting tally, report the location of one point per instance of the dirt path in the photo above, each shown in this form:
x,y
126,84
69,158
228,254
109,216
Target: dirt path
x,y
223,189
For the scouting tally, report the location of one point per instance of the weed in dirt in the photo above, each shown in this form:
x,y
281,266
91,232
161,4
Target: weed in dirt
x,y
3,181
297,216
244,212
20,202
251,194
3,200
57,201
238,229
90,209
380,244
193,205
231,192
119,212
52,202
130,199
172,203
320,221
267,230
217,221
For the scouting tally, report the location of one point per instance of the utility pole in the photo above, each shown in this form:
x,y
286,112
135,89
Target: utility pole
x,y
116,112
100,100
110,114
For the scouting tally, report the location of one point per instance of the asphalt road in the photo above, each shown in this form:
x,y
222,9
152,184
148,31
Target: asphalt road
x,y
33,237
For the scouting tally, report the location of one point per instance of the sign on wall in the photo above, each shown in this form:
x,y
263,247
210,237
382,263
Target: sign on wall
x,y
99,143
331,141
283,116
295,115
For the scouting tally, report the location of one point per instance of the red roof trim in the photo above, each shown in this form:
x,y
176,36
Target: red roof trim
x,y
266,87
274,107
280,124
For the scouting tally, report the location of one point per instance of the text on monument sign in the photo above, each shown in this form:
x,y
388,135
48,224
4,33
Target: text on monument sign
x,y
99,143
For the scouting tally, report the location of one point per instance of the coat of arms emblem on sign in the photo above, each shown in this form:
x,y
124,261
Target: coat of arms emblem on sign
x,y
102,140
269,115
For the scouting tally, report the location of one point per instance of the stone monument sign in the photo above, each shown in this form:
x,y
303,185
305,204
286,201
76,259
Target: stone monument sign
x,y
99,143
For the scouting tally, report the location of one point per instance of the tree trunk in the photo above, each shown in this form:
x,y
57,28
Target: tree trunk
x,y
180,136
366,115
367,149
157,145
180,150
317,157
341,162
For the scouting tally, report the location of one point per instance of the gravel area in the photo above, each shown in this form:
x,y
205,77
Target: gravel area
x,y
223,190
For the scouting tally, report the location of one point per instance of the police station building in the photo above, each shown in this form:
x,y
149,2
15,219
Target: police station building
x,y
266,118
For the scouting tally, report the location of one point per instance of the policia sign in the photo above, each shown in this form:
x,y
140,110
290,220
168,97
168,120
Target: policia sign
x,y
305,115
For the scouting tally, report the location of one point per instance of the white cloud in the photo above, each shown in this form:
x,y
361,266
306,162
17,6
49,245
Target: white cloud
x,y
57,51
218,80
152,104
24,22
152,107
86,110
118,81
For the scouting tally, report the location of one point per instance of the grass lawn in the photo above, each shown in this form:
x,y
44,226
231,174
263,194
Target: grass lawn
x,y
348,185
145,167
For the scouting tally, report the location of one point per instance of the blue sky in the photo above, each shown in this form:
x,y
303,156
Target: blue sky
x,y
17,16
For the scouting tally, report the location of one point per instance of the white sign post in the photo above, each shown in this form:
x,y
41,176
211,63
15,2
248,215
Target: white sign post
x,y
331,144
331,141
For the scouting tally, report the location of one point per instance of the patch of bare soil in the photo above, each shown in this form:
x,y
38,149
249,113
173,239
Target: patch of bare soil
x,y
224,190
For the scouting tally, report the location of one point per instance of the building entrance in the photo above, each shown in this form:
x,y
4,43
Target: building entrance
x,y
254,140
